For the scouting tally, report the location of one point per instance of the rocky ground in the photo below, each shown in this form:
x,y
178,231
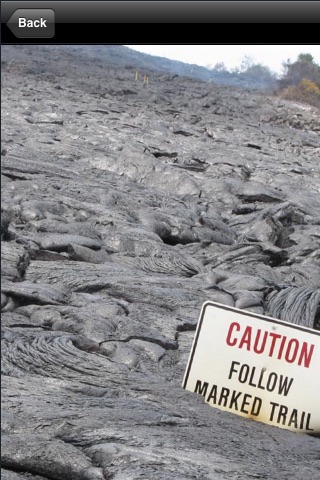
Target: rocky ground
x,y
125,206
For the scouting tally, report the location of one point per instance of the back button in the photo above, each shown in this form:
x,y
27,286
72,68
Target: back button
x,y
32,23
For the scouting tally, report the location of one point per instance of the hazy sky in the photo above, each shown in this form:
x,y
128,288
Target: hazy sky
x,y
271,56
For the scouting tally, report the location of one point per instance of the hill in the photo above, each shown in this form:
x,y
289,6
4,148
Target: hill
x,y
126,203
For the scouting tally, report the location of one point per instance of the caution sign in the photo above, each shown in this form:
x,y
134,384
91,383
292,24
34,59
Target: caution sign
x,y
257,367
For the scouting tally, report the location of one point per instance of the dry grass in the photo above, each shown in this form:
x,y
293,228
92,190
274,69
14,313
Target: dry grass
x,y
306,91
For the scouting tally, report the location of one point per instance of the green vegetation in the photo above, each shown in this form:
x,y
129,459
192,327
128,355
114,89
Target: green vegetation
x,y
301,80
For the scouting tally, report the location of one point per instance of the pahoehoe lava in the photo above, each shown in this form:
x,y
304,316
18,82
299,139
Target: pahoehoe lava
x,y
124,207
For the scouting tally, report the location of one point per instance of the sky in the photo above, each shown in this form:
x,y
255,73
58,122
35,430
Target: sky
x,y
271,56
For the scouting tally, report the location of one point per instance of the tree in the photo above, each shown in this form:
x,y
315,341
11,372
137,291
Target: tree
x,y
247,62
220,67
259,71
301,80
256,72
305,57
303,68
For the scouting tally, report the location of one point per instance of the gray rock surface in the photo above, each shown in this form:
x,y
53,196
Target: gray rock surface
x,y
124,207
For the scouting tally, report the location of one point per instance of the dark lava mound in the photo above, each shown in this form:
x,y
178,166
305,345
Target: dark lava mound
x,y
124,207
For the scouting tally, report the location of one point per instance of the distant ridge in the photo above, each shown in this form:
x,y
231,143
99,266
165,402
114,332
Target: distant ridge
x,y
124,56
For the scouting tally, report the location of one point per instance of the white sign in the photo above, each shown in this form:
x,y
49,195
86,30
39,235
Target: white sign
x,y
257,367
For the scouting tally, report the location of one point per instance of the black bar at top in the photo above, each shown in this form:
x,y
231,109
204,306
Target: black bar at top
x,y
173,11
103,33
87,22
99,34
